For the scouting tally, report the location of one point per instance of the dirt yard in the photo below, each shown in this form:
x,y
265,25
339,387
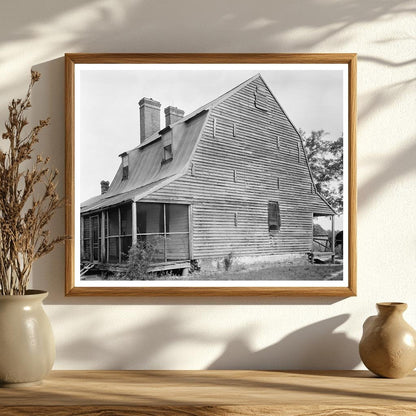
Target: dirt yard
x,y
279,272
317,272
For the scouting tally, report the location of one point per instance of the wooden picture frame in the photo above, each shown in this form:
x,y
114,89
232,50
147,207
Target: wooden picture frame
x,y
150,217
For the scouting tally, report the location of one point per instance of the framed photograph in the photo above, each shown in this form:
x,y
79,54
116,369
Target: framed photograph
x,y
211,174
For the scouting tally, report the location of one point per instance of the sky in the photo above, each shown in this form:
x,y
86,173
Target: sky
x,y
107,120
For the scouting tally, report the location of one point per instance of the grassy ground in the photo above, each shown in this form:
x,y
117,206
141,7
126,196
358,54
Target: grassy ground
x,y
278,272
266,271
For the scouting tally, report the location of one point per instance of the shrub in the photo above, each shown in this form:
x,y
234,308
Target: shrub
x,y
228,261
140,257
195,266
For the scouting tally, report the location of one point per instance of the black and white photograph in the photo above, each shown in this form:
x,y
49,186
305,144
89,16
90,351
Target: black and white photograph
x,y
211,175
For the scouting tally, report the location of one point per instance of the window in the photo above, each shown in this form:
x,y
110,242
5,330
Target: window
x,y
118,233
235,175
234,129
260,98
125,164
167,153
274,217
125,231
113,246
86,238
193,169
165,227
278,183
235,219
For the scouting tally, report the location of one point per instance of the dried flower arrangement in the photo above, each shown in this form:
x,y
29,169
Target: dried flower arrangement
x,y
28,199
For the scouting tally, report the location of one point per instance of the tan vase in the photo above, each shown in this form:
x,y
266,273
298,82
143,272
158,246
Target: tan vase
x,y
27,346
388,344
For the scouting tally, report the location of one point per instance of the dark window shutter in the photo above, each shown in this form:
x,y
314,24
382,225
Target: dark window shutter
x,y
274,216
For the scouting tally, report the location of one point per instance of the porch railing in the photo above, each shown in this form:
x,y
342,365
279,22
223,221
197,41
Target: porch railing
x,y
167,246
321,243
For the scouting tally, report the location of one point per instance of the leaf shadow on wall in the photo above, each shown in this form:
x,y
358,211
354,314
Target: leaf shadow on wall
x,y
398,165
145,343
313,347
138,26
146,346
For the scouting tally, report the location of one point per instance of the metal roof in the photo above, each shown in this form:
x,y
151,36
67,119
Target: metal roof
x,y
107,200
146,172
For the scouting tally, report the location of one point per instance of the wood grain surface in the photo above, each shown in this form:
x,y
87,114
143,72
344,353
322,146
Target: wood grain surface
x,y
203,393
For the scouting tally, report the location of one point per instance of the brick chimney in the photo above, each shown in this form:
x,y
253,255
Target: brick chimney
x,y
104,186
173,114
149,117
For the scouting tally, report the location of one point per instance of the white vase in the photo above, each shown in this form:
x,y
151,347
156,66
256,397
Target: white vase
x,y
27,346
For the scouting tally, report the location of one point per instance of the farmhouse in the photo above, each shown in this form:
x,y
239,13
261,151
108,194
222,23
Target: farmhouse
x,y
229,179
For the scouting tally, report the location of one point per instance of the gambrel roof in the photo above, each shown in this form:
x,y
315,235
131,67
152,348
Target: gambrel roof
x,y
146,172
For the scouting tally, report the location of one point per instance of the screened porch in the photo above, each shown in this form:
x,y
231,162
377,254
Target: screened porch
x,y
107,236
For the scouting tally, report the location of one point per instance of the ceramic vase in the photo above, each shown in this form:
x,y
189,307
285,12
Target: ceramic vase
x,y
27,346
388,345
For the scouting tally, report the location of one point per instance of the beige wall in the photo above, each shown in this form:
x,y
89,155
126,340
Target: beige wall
x,y
234,333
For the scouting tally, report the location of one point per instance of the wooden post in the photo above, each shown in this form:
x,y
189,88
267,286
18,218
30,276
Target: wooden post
x,y
107,245
133,223
91,253
333,239
119,235
190,231
164,233
102,237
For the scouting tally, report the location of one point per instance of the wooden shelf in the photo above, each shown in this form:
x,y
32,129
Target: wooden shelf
x,y
210,393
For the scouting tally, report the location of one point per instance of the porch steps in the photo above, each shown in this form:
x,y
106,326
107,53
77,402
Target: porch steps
x,y
184,265
321,256
85,268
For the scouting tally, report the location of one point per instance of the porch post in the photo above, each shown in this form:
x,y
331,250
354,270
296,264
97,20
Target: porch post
x,y
190,232
164,233
333,238
119,234
103,259
133,223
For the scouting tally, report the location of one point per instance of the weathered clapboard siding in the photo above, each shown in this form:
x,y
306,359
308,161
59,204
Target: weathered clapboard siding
x,y
216,193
